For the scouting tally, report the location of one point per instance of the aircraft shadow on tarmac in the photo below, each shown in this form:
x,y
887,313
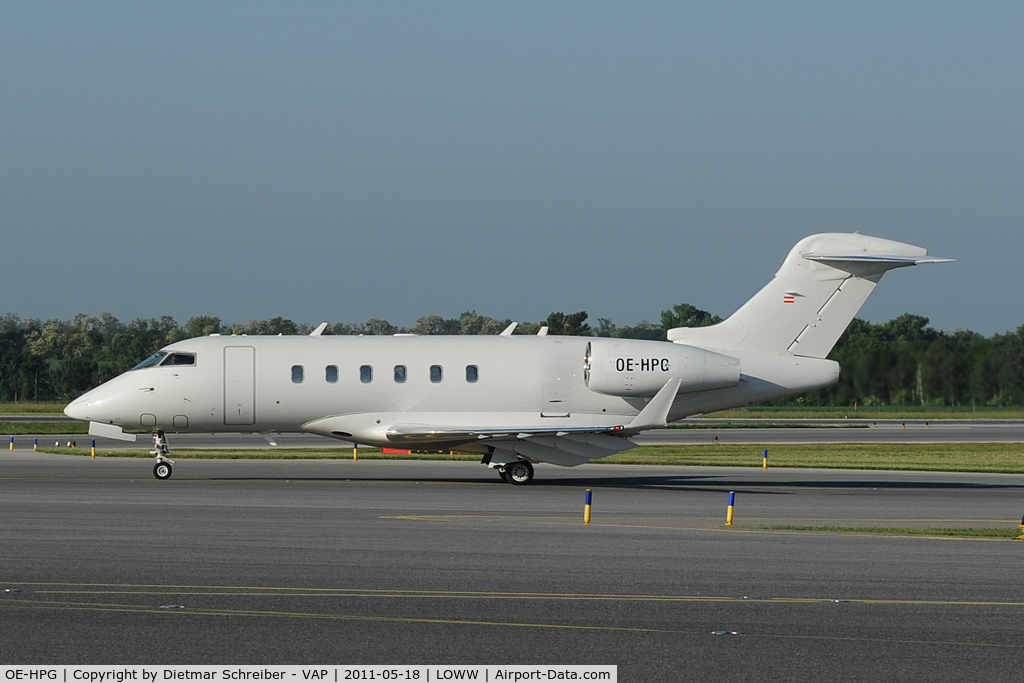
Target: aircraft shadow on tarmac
x,y
674,482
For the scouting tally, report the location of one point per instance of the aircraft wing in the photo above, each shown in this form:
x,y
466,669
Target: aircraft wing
x,y
562,446
570,442
577,447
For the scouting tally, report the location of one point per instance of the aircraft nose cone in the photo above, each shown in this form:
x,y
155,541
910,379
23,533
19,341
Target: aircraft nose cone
x,y
77,409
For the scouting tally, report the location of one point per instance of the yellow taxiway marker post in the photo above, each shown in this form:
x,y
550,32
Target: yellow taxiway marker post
x,y
1021,525
586,508
765,459
35,444
94,449
732,505
355,451
12,443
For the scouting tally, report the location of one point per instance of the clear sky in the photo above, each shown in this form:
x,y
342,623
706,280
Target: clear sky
x,y
339,161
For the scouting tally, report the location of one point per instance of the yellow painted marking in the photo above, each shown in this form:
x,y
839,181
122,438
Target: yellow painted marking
x,y
295,591
146,609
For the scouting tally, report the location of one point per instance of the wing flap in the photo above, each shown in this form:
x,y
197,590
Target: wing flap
x,y
421,432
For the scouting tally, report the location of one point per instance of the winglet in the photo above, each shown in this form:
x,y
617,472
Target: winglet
x,y
655,413
319,330
507,332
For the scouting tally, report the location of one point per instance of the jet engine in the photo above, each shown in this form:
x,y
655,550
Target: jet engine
x,y
640,368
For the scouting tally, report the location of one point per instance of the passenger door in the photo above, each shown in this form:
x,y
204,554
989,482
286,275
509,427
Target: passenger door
x,y
239,385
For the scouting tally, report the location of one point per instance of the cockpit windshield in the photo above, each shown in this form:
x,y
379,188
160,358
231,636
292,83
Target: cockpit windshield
x,y
175,358
151,361
167,358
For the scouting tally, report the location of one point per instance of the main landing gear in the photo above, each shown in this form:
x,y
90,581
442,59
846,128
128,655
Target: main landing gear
x,y
162,468
516,473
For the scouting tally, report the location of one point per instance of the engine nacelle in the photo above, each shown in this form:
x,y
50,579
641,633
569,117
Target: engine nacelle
x,y
630,367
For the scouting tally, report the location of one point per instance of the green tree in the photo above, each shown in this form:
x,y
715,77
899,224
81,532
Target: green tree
x,y
435,324
572,324
201,326
687,315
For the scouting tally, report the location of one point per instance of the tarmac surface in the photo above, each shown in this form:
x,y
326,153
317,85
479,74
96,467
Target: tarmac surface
x,y
392,562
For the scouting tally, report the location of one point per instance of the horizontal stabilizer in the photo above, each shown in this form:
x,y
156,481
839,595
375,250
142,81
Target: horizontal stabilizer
x,y
894,261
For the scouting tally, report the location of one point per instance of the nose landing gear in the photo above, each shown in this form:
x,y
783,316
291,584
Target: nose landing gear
x,y
162,468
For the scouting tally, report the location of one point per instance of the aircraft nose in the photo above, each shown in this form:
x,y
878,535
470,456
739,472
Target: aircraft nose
x,y
77,409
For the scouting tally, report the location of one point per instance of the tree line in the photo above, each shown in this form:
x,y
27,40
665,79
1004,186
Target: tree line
x,y
904,361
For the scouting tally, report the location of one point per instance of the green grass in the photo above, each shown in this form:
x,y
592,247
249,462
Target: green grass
x,y
760,423
873,413
981,457
975,457
21,428
263,454
32,408
958,532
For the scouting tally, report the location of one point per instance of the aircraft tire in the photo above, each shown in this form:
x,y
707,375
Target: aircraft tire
x,y
519,473
162,470
504,475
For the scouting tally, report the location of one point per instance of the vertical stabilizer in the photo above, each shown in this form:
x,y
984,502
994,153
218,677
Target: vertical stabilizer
x,y
820,288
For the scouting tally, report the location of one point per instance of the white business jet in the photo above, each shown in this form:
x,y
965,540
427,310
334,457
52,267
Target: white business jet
x,y
515,400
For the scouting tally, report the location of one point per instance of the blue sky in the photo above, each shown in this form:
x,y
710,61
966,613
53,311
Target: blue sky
x,y
339,161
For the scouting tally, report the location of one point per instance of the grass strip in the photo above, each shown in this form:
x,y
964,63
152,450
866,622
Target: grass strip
x,y
762,423
958,532
265,454
21,428
874,413
973,457
938,457
32,408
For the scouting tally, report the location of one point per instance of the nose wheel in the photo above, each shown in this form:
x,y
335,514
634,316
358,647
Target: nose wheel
x,y
162,468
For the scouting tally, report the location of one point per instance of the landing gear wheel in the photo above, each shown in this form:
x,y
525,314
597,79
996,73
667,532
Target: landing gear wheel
x,y
162,470
504,475
520,472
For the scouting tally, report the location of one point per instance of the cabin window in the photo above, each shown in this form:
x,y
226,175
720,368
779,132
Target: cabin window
x,y
366,374
472,373
297,374
400,373
174,358
332,373
436,373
